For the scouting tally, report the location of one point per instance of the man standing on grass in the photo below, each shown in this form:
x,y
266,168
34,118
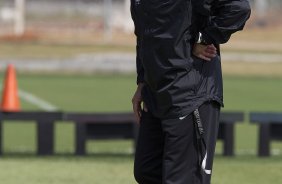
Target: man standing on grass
x,y
180,85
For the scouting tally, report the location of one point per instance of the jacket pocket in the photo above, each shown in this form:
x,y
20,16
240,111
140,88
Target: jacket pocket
x,y
207,75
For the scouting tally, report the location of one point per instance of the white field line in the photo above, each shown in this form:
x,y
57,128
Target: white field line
x,y
42,104
39,102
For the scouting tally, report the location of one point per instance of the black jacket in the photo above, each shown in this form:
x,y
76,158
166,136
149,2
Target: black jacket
x,y
175,81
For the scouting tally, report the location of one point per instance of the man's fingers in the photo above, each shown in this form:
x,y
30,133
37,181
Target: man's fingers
x,y
204,57
136,101
137,115
212,47
145,107
205,52
211,51
208,55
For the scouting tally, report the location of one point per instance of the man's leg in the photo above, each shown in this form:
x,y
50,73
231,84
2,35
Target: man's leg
x,y
209,113
149,151
181,164
182,160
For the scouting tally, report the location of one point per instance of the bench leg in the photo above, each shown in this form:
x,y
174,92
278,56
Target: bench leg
x,y
80,140
1,138
228,145
45,138
264,140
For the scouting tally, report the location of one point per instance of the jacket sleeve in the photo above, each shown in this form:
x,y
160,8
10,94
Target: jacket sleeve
x,y
226,17
139,66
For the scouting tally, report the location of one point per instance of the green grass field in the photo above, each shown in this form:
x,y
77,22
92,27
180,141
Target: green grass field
x,y
110,162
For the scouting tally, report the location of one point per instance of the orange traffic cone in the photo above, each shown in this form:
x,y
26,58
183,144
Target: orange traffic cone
x,y
10,98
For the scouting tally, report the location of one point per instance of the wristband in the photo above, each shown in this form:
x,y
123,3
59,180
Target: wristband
x,y
200,39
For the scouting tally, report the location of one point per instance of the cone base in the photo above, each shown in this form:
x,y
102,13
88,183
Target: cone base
x,y
10,110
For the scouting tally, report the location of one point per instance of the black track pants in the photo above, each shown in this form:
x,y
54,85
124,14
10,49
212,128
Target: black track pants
x,y
170,151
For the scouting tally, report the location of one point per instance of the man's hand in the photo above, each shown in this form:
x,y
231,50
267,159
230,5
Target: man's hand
x,y
137,101
205,52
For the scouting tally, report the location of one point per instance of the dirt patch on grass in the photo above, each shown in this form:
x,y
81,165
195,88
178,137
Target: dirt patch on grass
x,y
28,36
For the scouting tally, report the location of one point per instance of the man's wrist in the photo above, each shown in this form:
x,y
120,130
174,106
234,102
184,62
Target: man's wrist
x,y
200,39
141,84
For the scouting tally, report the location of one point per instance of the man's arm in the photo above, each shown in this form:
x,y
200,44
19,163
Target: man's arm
x,y
217,20
137,97
137,101
139,65
225,18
